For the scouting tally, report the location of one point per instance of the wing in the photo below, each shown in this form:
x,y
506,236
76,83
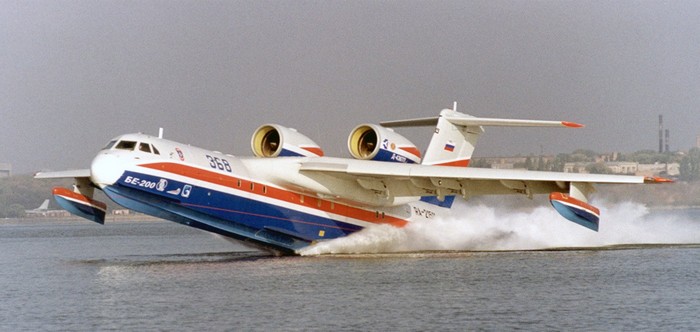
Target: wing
x,y
568,192
403,180
77,173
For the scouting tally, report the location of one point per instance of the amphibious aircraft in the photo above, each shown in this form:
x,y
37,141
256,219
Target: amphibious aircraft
x,y
289,195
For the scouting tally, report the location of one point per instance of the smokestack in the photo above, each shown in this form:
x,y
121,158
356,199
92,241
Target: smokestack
x,y
661,133
667,150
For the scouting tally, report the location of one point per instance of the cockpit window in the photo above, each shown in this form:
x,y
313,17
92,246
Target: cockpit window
x,y
131,146
109,145
126,145
145,147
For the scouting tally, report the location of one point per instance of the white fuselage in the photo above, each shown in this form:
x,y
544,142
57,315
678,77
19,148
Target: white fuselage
x,y
268,200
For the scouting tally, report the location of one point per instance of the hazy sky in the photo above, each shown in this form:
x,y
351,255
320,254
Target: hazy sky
x,y
74,74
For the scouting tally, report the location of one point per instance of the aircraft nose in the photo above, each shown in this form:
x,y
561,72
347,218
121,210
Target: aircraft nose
x,y
106,169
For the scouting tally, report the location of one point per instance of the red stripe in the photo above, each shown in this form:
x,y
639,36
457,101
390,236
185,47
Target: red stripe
x,y
657,179
557,196
456,163
60,191
412,150
315,150
277,193
571,124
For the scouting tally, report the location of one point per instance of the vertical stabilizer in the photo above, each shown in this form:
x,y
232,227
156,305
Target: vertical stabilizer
x,y
452,144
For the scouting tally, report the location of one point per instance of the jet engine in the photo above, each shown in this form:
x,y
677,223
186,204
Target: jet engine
x,y
373,142
272,140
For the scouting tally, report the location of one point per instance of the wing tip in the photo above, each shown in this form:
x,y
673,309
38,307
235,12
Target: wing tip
x,y
571,124
657,179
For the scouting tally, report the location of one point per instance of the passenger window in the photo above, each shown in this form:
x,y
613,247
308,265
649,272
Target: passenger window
x,y
126,145
145,147
155,150
109,145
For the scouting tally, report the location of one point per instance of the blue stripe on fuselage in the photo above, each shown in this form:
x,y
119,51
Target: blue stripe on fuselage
x,y
152,205
226,207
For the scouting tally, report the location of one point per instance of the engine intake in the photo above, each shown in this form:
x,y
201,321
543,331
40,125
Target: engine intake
x,y
373,142
272,140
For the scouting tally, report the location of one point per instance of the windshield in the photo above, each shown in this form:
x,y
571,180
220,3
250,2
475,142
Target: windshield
x,y
109,145
131,146
145,147
126,145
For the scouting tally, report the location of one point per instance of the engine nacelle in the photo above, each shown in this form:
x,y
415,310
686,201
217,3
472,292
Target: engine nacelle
x,y
373,142
273,140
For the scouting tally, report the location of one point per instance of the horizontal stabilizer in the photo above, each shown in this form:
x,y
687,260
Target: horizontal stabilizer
x,y
468,121
575,210
421,122
460,119
80,205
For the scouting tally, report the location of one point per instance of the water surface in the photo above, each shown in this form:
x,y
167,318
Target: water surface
x,y
163,276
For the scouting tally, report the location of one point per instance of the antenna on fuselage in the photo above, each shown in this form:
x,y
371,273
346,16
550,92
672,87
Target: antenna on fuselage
x,y
160,132
454,106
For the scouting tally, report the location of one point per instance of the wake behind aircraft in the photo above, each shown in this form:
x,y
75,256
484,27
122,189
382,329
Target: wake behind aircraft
x,y
289,195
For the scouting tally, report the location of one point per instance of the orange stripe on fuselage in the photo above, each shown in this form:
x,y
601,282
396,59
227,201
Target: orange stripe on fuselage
x,y
277,193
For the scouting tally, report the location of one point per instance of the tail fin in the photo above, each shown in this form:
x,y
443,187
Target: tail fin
x,y
452,144
456,134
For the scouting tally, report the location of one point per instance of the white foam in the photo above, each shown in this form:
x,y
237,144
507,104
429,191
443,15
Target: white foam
x,y
483,227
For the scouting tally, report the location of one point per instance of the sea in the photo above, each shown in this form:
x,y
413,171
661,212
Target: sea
x,y
495,271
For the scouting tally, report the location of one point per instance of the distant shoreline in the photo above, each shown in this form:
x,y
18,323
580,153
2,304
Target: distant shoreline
x,y
674,207
139,218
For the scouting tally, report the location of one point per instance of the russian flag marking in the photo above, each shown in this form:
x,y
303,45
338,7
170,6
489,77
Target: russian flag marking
x,y
449,146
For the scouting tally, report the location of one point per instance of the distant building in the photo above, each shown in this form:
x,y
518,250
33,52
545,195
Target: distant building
x,y
577,167
5,170
623,167
517,162
628,168
671,169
